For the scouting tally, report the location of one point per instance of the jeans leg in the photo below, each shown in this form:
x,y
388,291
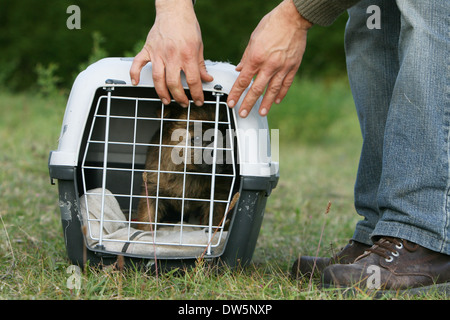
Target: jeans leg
x,y
413,196
372,65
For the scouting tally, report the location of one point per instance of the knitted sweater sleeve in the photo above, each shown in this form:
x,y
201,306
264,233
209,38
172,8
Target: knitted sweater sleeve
x,y
322,12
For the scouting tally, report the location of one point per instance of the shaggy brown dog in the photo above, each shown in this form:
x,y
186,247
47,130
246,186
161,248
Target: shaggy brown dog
x,y
196,186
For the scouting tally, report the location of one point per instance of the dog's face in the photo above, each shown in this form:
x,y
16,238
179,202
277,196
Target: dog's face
x,y
194,140
187,145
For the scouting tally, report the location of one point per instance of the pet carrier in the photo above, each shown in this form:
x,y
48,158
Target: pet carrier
x,y
129,188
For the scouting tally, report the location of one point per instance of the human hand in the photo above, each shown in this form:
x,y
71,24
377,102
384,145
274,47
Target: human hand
x,y
274,54
174,44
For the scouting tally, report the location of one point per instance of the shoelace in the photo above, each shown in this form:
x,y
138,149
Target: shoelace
x,y
385,245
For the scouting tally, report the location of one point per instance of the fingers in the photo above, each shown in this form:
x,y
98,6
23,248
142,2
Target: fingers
x,y
254,92
267,77
194,81
174,85
204,75
287,83
167,77
272,92
195,73
276,90
193,65
271,82
241,83
159,81
141,59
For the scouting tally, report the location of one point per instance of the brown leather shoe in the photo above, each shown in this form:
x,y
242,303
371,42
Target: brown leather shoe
x,y
304,265
392,264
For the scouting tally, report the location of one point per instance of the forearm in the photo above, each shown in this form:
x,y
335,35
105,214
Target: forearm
x,y
322,12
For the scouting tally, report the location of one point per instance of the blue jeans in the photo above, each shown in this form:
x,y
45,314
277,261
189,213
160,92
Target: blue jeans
x,y
400,80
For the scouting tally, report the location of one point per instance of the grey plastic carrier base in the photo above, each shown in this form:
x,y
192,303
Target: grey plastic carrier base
x,y
245,227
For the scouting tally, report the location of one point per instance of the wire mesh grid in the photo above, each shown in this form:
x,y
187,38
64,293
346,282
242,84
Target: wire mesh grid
x,y
117,150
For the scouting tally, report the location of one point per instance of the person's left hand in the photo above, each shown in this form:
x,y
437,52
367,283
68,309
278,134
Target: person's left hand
x,y
274,54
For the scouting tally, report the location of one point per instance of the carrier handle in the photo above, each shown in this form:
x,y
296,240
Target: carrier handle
x,y
115,81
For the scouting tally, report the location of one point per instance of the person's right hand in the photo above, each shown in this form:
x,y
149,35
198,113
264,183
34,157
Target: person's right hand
x,y
174,45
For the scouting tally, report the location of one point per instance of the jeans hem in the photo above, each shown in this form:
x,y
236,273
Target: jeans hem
x,y
363,235
419,236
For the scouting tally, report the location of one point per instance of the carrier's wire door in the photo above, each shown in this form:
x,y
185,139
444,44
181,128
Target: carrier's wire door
x,y
126,134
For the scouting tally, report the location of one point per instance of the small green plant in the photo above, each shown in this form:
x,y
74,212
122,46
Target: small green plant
x,y
47,80
97,53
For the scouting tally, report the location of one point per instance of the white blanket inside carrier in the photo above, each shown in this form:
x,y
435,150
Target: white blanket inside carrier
x,y
118,236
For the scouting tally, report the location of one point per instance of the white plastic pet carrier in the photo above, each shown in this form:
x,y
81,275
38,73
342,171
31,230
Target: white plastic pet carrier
x,y
154,182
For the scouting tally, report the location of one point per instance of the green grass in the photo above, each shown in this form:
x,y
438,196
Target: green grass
x,y
319,150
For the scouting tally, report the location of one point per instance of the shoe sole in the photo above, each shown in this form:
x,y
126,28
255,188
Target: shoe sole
x,y
440,289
